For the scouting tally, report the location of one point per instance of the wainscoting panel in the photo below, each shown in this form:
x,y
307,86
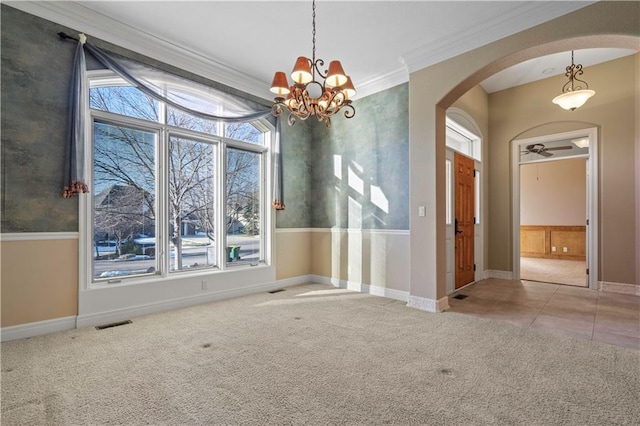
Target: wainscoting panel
x,y
540,240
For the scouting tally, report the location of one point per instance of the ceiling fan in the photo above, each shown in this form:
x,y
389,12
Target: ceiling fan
x,y
538,148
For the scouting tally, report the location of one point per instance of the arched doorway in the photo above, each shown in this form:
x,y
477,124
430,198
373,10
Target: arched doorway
x,y
428,104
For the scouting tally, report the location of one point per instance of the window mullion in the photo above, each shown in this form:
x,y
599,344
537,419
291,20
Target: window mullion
x,y
221,205
162,231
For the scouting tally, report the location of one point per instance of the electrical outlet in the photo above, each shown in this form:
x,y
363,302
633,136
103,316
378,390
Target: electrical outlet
x,y
565,249
553,249
205,285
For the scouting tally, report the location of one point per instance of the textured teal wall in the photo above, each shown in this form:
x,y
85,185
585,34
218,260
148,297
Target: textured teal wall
x,y
297,165
360,173
36,67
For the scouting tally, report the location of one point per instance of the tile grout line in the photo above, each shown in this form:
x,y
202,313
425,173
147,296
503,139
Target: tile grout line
x,y
595,317
541,309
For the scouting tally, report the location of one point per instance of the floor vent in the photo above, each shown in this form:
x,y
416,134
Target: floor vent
x,y
276,291
460,296
113,324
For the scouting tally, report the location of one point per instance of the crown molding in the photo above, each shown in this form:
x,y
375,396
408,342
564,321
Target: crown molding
x,y
382,82
75,16
527,15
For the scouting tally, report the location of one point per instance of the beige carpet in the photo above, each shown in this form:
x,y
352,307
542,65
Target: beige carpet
x,y
557,271
316,355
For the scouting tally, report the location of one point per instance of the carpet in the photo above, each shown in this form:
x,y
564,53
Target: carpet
x,y
313,354
556,271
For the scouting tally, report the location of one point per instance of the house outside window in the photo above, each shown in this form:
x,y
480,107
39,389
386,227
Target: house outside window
x,y
172,193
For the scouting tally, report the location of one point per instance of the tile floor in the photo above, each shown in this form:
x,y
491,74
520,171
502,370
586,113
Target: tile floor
x,y
599,316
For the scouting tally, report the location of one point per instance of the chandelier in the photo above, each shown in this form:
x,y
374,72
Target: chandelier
x,y
309,97
573,94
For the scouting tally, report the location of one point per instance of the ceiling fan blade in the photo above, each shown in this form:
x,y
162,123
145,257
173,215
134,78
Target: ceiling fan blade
x,y
557,148
545,153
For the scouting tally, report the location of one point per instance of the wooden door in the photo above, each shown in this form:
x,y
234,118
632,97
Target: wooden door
x,y
464,220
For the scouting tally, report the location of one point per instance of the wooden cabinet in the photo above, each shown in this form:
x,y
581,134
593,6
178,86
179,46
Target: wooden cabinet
x,y
538,241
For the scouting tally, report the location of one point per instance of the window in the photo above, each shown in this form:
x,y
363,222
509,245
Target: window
x,y
462,140
172,193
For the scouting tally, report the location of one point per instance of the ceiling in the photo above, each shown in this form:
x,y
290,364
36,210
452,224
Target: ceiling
x,y
242,43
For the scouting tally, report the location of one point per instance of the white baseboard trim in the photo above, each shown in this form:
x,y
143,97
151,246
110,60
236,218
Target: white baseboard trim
x,y
622,288
494,273
362,288
183,302
38,328
428,305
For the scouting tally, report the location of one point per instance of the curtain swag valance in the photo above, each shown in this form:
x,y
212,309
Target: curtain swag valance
x,y
136,75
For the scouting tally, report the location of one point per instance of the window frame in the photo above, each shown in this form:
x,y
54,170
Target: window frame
x,y
106,78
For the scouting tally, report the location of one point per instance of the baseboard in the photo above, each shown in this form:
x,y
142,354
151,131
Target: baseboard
x,y
362,288
494,273
428,305
183,302
622,288
38,328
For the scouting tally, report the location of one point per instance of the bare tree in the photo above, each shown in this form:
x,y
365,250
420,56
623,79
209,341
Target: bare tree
x,y
126,156
120,214
191,189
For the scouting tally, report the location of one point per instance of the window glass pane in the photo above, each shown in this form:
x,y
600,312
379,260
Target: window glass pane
x,y
124,221
124,100
183,120
244,132
243,220
191,204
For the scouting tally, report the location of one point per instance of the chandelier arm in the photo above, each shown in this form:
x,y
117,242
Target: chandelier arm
x,y
305,106
350,111
316,68
276,109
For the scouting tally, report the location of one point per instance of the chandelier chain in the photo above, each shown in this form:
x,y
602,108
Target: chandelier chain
x,y
313,25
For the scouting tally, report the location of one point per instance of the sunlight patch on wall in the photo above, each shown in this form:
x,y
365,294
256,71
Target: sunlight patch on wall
x,y
379,199
337,166
355,182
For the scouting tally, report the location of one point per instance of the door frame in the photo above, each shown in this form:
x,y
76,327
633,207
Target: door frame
x,y
592,197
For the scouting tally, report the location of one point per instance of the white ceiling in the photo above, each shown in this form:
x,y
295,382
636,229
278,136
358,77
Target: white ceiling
x,y
242,43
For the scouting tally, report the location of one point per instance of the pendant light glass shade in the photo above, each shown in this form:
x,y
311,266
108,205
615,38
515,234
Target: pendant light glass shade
x,y
573,100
